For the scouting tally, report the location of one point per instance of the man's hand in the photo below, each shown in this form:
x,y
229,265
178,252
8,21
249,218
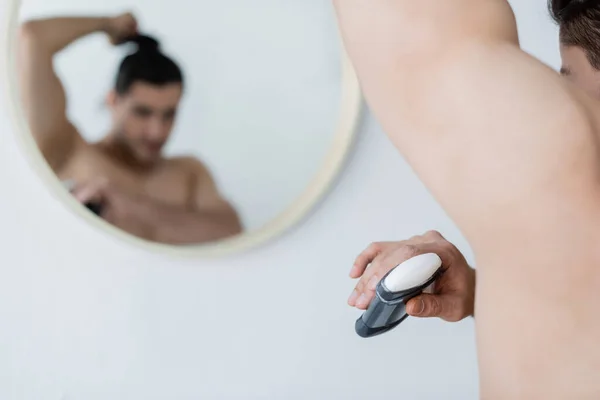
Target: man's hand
x,y
91,192
117,206
454,292
121,27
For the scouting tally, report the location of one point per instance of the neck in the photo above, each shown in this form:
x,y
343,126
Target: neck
x,y
120,151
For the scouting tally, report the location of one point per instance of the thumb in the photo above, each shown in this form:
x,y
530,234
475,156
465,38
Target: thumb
x,y
90,192
432,306
86,194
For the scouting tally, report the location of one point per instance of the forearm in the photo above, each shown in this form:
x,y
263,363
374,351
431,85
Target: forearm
x,y
175,225
54,34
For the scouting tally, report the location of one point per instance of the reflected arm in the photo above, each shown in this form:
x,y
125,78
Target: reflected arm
x,y
42,94
209,217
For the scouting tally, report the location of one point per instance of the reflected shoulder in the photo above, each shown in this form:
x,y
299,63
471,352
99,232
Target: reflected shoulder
x,y
190,164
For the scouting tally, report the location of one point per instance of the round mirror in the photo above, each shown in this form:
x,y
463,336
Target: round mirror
x,y
202,127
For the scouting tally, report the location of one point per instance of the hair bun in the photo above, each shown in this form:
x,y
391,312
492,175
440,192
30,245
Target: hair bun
x,y
145,43
565,10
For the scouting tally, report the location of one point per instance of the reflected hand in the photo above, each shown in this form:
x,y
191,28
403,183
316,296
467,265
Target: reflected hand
x,y
454,292
121,27
92,193
117,206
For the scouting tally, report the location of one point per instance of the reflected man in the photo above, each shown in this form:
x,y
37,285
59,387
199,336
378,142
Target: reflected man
x,y
124,177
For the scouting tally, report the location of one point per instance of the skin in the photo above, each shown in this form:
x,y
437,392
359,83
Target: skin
x,y
454,296
454,292
511,150
168,200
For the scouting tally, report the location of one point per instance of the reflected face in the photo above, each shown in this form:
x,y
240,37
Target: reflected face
x,y
143,118
577,68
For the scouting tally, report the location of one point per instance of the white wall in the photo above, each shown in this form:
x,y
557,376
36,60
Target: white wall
x,y
263,82
85,317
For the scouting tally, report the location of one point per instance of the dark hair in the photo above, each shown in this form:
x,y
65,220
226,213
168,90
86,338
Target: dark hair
x,y
579,22
147,64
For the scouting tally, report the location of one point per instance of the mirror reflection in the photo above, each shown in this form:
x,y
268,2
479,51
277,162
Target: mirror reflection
x,y
181,126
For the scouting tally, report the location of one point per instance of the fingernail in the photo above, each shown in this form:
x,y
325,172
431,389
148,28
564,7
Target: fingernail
x,y
362,301
373,282
353,297
419,307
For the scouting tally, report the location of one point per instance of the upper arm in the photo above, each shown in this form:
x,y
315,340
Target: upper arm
x,y
495,134
44,101
492,132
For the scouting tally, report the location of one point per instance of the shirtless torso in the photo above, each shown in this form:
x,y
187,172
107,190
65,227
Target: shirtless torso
x,y
171,181
511,150
169,200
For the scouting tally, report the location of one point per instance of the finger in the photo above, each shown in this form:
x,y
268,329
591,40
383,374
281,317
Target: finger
x,y
435,306
93,191
425,306
353,298
367,284
86,194
433,235
365,288
416,238
364,292
364,300
364,259
415,306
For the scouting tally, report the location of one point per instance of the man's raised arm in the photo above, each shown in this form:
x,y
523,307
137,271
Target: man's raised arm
x,y
511,151
482,123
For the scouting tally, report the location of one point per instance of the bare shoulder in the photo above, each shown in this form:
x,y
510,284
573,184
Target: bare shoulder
x,y
85,159
201,181
190,165
204,189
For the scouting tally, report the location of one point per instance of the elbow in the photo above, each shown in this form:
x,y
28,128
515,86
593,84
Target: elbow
x,y
28,31
237,227
234,226
230,222
33,38
230,226
29,37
